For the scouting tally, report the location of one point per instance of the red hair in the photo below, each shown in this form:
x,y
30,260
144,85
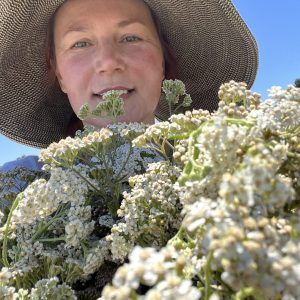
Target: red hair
x,y
75,123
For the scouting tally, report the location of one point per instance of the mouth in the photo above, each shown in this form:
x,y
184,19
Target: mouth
x,y
125,94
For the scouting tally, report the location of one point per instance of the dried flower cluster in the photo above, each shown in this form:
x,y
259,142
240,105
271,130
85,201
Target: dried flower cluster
x,y
203,206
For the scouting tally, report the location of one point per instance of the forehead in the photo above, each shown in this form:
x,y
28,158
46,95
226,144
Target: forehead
x,y
108,11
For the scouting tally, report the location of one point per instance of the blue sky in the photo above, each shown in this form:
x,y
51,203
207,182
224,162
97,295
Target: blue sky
x,y
276,27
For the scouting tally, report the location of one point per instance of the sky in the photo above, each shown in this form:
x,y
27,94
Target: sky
x,y
276,26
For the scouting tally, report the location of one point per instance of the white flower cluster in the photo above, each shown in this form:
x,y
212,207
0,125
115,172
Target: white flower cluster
x,y
281,112
27,258
119,158
216,149
257,184
190,120
154,133
5,275
46,288
57,227
43,197
219,145
175,95
15,181
129,131
213,199
162,271
7,293
151,211
156,136
240,193
236,100
247,226
79,226
95,257
67,149
43,289
251,251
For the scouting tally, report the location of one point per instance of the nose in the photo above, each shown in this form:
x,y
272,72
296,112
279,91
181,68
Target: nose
x,y
108,58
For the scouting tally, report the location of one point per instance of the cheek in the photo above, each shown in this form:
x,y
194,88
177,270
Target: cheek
x,y
73,73
148,64
74,80
149,73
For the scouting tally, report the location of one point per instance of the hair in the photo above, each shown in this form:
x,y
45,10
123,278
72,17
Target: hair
x,y
74,124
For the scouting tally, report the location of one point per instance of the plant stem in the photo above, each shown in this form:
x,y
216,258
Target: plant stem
x,y
247,292
240,122
18,282
88,182
115,193
159,151
42,229
58,239
207,272
85,249
293,155
179,136
169,144
192,141
5,237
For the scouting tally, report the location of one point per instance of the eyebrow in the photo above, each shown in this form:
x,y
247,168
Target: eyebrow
x,y
82,28
129,22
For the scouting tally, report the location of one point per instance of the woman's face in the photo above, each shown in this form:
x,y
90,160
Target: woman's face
x,y
105,45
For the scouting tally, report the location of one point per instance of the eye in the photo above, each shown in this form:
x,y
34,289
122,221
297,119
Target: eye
x,y
81,45
131,39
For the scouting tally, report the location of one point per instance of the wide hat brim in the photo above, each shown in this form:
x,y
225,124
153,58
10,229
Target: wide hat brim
x,y
211,43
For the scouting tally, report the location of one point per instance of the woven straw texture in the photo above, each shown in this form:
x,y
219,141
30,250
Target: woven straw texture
x,y
211,43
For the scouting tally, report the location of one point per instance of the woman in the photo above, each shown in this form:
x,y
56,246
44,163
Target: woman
x,y
94,46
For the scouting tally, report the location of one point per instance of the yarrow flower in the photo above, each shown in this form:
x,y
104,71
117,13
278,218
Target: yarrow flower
x,y
43,197
150,218
158,270
279,113
46,288
66,150
173,90
204,205
111,106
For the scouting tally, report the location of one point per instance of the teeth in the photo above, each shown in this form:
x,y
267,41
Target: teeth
x,y
123,92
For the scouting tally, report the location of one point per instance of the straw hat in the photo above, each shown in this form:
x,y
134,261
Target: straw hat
x,y
211,42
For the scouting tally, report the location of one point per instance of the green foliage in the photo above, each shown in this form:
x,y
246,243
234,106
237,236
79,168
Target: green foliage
x,y
111,106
